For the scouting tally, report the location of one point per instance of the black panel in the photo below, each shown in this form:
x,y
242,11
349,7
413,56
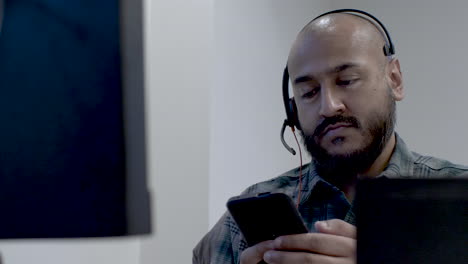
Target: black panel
x,y
62,156
412,221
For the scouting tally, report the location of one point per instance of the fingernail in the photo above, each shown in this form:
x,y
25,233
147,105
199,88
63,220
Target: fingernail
x,y
268,256
322,224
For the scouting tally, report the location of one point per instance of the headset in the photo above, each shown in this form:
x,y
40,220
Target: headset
x,y
292,119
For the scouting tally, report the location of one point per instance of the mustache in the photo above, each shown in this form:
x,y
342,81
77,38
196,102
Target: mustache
x,y
334,120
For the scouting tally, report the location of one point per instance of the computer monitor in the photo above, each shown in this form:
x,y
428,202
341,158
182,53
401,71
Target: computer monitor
x,y
72,136
412,221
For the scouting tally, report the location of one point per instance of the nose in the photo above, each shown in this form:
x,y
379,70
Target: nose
x,y
330,103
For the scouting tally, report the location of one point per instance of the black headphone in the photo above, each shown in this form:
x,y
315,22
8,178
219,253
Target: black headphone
x,y
292,119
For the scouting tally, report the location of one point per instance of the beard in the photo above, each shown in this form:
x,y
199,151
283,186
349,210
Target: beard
x,y
340,169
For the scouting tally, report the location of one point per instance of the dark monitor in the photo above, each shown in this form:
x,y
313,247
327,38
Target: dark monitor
x,y
72,135
412,221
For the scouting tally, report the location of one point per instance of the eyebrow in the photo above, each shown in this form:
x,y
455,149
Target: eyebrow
x,y
336,69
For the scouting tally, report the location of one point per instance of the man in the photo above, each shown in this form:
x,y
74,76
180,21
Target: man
x,y
345,90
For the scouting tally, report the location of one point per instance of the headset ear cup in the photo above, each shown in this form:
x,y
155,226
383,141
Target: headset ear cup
x,y
293,111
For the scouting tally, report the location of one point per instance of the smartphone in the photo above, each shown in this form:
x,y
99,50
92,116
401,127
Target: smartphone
x,y
265,216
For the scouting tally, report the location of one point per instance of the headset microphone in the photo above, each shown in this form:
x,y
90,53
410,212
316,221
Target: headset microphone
x,y
285,124
290,107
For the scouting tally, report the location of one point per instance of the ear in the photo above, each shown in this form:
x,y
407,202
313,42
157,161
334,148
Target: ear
x,y
396,79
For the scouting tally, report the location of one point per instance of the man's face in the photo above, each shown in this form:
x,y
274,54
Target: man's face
x,y
344,98
343,167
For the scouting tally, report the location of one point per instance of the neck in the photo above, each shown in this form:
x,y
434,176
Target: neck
x,y
374,170
382,160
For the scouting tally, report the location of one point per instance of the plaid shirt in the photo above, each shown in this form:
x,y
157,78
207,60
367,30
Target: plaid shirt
x,y
320,200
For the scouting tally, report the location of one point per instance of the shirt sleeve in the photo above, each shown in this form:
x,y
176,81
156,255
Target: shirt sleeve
x,y
224,243
216,246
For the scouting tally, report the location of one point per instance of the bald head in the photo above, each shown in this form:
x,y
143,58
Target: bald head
x,y
342,29
347,22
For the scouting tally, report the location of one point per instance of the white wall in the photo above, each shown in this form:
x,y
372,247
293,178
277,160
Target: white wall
x,y
74,251
179,65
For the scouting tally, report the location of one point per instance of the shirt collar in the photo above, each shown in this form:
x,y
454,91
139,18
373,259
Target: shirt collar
x,y
401,161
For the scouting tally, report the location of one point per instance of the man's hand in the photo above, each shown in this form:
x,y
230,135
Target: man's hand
x,y
335,242
253,255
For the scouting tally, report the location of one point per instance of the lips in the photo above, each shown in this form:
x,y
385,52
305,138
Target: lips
x,y
335,126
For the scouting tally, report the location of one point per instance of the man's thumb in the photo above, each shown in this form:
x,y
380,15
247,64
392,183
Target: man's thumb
x,y
336,227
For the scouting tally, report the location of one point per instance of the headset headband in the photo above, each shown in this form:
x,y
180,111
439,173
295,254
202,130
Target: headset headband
x,y
390,49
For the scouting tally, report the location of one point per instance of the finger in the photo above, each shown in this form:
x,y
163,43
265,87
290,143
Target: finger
x,y
254,254
281,257
336,227
325,244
